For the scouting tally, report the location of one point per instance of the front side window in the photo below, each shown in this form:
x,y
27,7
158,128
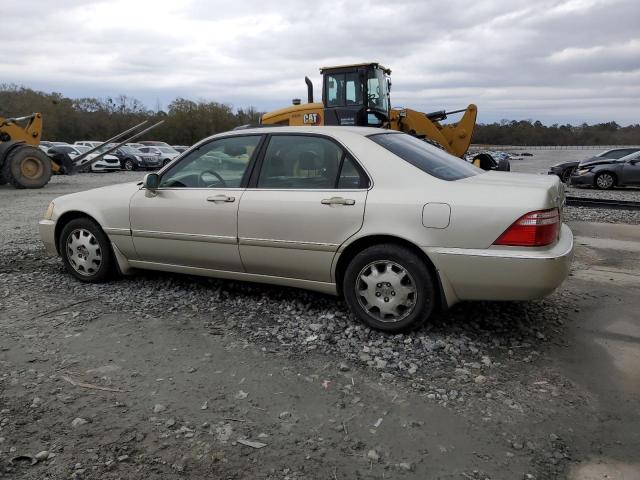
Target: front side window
x,y
427,158
219,164
307,162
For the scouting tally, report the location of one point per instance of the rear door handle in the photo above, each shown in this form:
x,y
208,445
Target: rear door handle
x,y
337,201
221,198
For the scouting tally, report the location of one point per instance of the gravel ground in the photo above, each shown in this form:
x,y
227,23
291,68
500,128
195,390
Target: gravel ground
x,y
484,363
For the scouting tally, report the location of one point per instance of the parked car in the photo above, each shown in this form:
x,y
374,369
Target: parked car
x,y
604,173
153,143
88,143
166,154
106,164
45,145
180,148
564,170
133,159
290,210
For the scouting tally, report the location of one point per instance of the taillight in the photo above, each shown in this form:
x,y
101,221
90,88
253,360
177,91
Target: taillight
x,y
535,229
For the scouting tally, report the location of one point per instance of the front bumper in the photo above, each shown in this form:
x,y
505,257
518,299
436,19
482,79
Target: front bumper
x,y
583,180
505,273
47,230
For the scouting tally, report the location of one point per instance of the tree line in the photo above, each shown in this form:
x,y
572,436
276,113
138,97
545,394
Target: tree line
x,y
526,132
187,121
70,119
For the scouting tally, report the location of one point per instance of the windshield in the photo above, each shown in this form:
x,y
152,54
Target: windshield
x,y
82,148
378,91
426,157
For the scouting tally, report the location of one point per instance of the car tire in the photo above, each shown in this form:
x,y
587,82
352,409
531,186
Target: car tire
x,y
400,293
566,174
504,165
86,251
129,165
605,181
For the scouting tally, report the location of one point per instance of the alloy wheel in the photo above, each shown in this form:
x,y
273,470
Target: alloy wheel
x,y
604,181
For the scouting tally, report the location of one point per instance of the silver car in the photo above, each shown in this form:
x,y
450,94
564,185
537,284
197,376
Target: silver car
x,y
398,227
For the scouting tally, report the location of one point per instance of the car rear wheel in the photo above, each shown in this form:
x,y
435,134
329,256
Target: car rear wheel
x,y
129,165
86,251
605,181
389,288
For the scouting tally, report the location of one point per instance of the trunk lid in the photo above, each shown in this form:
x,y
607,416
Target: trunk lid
x,y
549,185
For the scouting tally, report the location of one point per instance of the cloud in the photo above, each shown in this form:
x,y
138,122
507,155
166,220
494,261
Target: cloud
x,y
560,61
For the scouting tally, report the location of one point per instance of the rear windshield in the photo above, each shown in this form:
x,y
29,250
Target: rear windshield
x,y
426,157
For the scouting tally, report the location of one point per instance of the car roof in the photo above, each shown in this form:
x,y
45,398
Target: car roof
x,y
617,149
327,130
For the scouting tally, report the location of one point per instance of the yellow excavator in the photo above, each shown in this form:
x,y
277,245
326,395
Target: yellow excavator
x,y
22,163
358,95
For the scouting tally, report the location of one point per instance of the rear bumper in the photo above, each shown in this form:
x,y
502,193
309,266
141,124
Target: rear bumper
x,y
503,274
47,230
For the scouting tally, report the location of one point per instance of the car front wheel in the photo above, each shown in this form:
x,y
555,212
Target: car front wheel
x,y
605,181
129,165
389,288
566,174
85,250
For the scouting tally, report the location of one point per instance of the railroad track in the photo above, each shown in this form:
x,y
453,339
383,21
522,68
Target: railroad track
x,y
602,203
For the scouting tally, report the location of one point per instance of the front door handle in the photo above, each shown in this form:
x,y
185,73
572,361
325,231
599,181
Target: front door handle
x,y
337,201
221,198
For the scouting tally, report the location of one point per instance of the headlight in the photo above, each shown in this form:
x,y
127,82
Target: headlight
x,y
583,171
49,213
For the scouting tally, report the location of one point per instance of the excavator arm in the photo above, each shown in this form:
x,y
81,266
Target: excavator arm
x,y
455,138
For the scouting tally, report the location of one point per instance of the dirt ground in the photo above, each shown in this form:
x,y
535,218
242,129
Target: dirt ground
x,y
169,376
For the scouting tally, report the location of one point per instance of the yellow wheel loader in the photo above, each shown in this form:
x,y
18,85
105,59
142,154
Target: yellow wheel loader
x,y
22,163
358,95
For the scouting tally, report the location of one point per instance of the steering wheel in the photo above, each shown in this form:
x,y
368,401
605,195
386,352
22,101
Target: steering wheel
x,y
211,172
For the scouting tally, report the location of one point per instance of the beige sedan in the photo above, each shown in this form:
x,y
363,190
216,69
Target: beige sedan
x,y
398,227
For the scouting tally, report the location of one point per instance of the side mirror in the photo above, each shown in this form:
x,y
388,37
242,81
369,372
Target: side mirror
x,y
151,181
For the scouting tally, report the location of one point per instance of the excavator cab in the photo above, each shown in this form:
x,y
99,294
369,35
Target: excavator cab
x,y
356,95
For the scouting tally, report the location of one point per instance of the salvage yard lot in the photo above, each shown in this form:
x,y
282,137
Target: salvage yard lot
x,y
170,376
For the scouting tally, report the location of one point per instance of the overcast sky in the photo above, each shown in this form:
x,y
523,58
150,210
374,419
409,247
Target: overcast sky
x,y
558,61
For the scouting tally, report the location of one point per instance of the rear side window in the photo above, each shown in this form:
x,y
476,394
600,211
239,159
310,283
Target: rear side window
x,y
426,157
308,162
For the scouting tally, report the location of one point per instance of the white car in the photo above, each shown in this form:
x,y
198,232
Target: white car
x,y
398,227
88,143
165,153
108,163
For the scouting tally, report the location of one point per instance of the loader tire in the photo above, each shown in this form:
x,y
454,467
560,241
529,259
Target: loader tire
x,y
2,180
27,167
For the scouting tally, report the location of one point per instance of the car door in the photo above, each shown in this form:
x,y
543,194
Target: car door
x,y
631,170
191,219
306,197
